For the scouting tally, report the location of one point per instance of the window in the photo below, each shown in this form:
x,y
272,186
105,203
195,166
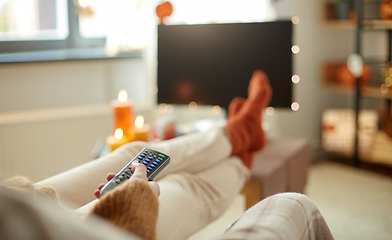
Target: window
x,y
36,25
22,20
122,25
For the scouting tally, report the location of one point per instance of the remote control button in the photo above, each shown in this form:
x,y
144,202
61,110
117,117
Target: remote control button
x,y
140,158
145,163
123,173
127,170
128,176
136,161
147,160
121,177
160,155
158,161
152,166
151,158
142,155
118,181
149,168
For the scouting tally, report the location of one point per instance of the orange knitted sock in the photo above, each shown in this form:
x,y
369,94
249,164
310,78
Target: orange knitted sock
x,y
244,121
247,158
234,107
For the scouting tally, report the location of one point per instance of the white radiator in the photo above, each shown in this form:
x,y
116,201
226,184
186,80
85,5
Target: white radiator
x,y
42,143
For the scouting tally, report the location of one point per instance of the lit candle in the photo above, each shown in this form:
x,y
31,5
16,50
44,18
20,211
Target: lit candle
x,y
141,131
123,113
117,140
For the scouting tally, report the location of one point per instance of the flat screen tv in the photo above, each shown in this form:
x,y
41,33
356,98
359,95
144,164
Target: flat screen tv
x,y
210,64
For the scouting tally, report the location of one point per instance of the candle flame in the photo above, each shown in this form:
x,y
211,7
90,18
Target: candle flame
x,y
118,134
139,121
122,96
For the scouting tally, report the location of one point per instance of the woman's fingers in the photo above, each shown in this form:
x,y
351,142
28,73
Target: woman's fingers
x,y
97,193
139,171
101,186
155,187
110,176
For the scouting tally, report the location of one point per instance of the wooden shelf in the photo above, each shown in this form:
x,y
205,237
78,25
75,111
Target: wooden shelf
x,y
330,20
330,82
374,92
366,91
339,24
377,24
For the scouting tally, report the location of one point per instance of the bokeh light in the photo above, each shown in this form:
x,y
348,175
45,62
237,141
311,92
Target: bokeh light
x,y
216,109
192,106
388,81
295,49
169,108
154,90
118,134
162,107
295,20
295,106
270,111
295,79
384,89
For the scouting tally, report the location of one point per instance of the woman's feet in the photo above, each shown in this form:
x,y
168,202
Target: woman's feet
x,y
244,118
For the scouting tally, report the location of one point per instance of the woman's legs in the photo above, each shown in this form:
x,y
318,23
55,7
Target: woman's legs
x,y
188,202
201,180
282,216
190,153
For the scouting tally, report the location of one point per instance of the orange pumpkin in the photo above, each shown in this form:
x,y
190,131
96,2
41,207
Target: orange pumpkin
x,y
386,10
345,77
164,10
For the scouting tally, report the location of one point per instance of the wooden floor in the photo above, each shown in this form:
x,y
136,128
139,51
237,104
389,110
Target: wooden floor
x,y
355,202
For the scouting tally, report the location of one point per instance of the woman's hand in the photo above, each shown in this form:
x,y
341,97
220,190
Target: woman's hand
x,y
139,171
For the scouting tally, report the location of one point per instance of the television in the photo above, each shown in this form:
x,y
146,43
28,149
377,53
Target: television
x,y
210,64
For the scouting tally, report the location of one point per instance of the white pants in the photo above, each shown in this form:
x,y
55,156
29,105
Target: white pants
x,y
197,186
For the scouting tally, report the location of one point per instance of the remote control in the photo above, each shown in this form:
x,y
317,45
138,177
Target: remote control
x,y
155,161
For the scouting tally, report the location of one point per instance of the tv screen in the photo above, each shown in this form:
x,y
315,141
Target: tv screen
x,y
210,64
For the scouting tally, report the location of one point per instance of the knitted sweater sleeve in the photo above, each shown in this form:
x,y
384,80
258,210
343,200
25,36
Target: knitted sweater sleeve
x,y
133,206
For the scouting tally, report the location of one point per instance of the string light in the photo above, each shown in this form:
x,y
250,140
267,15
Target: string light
x,y
192,106
162,107
295,49
169,108
216,109
154,90
295,20
270,111
295,79
295,106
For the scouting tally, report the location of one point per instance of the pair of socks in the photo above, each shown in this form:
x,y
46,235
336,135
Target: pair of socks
x,y
245,118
